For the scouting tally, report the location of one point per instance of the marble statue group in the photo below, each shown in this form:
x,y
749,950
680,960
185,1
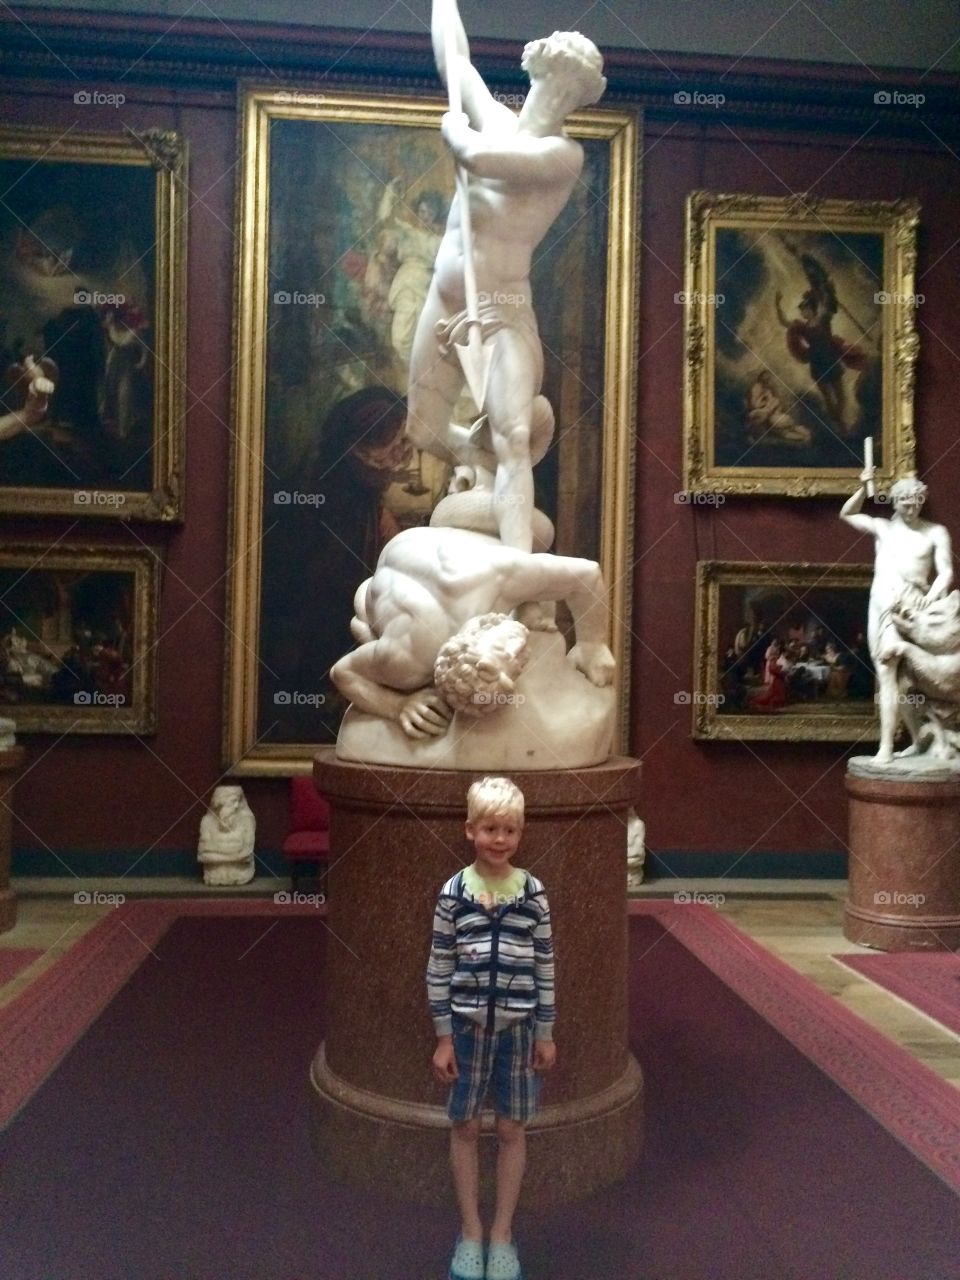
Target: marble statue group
x,y
913,629
444,623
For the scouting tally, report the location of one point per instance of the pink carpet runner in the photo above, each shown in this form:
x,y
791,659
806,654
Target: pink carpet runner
x,y
160,1077
13,960
930,981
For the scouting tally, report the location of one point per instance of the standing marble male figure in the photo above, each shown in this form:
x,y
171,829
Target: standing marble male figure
x,y
521,170
912,569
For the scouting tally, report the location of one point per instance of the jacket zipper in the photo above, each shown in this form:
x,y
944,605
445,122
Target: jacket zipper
x,y
494,956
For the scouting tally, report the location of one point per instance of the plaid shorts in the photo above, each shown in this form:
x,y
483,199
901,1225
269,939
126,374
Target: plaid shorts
x,y
503,1057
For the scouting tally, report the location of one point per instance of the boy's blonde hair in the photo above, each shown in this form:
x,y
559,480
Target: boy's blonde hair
x,y
495,796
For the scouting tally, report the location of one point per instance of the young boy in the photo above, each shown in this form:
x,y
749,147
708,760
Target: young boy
x,y
490,989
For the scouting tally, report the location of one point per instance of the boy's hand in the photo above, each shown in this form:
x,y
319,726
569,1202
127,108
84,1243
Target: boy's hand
x,y
444,1061
544,1055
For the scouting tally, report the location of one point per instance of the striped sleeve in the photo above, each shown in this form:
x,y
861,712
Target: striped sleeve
x,y
543,970
442,962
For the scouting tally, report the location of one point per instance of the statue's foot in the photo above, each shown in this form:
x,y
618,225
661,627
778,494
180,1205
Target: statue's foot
x,y
907,752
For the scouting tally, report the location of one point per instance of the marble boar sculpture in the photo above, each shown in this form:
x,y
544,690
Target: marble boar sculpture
x,y
928,646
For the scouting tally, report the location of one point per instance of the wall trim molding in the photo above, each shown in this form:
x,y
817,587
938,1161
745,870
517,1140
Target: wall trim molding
x,y
203,53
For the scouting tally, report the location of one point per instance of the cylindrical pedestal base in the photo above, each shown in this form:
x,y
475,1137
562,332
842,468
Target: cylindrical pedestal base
x,y
402,1148
379,1119
11,761
904,876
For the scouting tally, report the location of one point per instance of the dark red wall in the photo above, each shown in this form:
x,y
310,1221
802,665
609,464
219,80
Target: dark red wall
x,y
762,796
119,795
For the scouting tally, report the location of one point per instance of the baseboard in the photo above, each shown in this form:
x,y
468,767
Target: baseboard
x,y
687,863
158,862
667,864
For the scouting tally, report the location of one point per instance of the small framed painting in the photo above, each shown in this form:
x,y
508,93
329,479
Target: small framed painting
x,y
92,292
78,638
782,654
800,342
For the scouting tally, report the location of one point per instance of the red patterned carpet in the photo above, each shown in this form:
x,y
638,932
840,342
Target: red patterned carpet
x,y
160,1071
14,960
930,981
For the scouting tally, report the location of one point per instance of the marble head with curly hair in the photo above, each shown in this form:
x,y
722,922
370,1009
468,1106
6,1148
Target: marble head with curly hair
x,y
476,670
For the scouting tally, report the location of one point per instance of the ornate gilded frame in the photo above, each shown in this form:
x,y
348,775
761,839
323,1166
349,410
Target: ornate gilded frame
x,y
891,328
165,153
244,751
97,711
806,723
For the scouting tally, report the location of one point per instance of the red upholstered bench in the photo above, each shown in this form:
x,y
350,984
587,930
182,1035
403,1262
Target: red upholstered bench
x,y
309,836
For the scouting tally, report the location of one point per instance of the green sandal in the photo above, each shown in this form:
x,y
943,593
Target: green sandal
x,y
503,1263
467,1262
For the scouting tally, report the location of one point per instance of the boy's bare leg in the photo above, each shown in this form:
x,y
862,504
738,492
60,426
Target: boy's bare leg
x,y
511,1162
464,1162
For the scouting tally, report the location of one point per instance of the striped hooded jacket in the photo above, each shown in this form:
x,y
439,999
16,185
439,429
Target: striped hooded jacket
x,y
492,966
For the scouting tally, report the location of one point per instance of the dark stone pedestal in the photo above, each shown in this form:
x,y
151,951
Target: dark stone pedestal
x,y
904,888
379,1117
11,761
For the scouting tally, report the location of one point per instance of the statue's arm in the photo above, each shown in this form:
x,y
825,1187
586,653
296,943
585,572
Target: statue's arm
x,y
478,102
420,714
942,563
580,584
850,511
512,156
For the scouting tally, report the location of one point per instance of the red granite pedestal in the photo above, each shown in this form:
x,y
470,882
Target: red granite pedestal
x,y
904,876
379,1119
11,761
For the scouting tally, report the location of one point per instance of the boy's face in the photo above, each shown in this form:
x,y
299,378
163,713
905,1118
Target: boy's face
x,y
495,839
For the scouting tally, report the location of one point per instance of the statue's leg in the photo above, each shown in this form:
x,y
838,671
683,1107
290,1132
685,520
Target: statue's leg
x,y
888,689
434,387
516,371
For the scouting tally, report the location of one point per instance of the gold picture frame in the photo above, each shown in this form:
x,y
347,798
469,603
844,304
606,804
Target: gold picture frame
x,y
800,342
79,638
332,158
818,688
104,297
